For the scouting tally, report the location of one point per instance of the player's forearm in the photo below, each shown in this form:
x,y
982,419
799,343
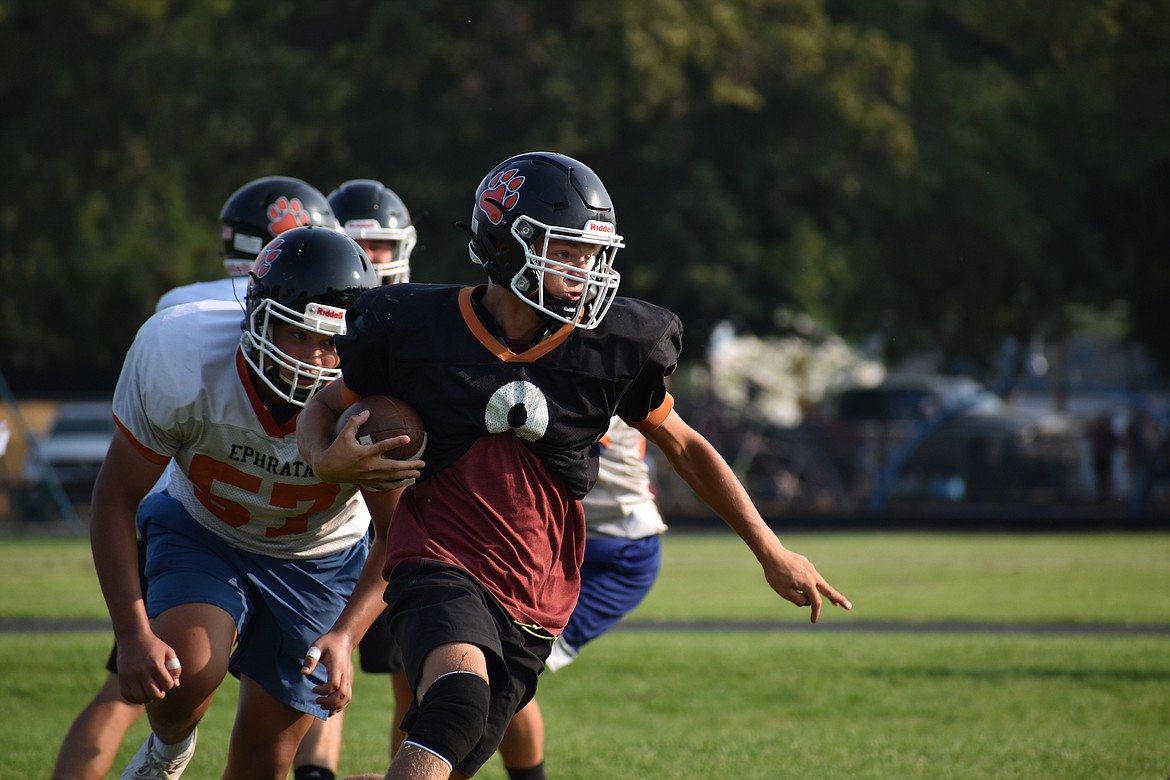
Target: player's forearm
x,y
702,467
366,603
314,431
115,555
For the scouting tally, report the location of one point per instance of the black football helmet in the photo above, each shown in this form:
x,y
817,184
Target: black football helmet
x,y
533,197
262,209
307,277
368,209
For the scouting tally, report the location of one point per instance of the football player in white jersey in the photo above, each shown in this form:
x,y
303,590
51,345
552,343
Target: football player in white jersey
x,y
251,217
246,547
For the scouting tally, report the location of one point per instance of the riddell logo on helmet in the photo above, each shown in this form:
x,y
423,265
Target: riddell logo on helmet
x,y
327,311
326,319
593,226
501,194
267,257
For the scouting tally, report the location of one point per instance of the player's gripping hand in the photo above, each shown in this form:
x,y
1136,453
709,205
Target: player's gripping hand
x,y
794,577
334,653
147,669
348,460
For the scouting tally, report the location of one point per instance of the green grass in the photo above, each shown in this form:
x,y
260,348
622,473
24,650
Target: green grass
x,y
887,706
771,704
1080,578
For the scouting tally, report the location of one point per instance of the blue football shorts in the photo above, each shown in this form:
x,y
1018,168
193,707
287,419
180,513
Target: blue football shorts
x,y
615,576
280,606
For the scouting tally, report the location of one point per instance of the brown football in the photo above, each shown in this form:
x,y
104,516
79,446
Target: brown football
x,y
389,417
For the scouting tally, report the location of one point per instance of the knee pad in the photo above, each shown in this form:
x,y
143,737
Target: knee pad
x,y
452,717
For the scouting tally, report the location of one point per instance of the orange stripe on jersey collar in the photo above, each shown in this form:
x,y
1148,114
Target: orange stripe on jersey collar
x,y
493,345
270,425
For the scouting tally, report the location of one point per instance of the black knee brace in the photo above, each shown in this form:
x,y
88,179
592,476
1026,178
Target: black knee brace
x,y
452,717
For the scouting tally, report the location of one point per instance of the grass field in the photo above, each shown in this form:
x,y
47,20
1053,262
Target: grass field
x,y
835,701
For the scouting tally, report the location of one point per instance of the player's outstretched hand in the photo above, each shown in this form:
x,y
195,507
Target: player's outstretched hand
x,y
348,460
795,578
332,652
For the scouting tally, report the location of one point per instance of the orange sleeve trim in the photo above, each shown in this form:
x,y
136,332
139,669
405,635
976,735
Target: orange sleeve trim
x,y
655,418
143,450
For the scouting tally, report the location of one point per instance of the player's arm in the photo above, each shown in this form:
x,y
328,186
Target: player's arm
x,y
363,608
345,460
702,467
126,475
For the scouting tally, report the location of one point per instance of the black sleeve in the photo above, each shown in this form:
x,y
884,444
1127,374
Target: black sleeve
x,y
648,390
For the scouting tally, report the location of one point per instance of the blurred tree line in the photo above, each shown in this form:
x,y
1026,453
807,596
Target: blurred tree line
x,y
943,174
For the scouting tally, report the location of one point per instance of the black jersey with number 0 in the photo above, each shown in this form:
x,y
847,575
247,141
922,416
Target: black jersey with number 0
x,y
425,344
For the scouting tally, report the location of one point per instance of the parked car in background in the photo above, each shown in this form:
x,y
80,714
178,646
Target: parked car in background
x,y
944,438
73,448
783,470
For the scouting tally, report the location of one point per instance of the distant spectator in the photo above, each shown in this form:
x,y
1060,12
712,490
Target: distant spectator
x,y
1162,471
1103,441
1141,441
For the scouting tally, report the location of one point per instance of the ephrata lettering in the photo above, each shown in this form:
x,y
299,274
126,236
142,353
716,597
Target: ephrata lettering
x,y
241,453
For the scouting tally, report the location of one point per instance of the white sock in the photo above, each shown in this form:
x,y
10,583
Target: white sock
x,y
171,752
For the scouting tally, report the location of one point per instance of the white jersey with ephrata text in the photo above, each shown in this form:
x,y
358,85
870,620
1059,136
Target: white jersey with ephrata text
x,y
184,393
621,504
230,288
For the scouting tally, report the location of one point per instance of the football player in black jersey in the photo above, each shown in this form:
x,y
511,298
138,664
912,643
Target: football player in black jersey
x,y
516,381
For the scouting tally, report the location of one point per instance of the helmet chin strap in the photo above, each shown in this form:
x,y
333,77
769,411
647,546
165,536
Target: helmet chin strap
x,y
272,374
297,392
557,304
481,254
566,309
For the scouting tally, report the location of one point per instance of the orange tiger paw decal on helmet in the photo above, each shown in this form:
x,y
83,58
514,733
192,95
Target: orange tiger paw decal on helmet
x,y
501,194
286,214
